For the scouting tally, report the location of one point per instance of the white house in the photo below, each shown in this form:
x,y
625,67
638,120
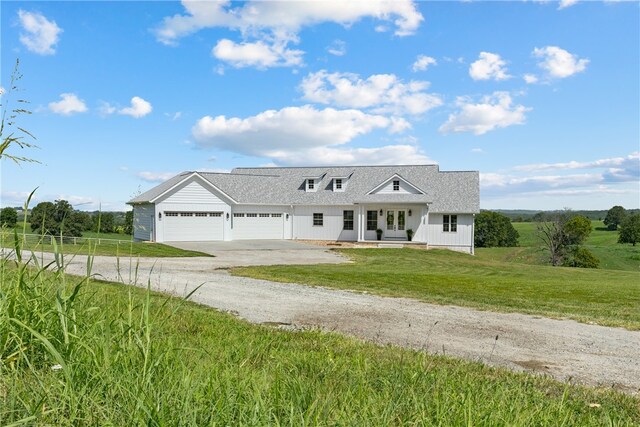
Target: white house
x,y
313,203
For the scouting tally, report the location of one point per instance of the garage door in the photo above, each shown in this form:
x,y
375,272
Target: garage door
x,y
193,226
258,226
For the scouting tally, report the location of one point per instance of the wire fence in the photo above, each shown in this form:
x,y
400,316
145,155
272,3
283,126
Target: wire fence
x,y
47,239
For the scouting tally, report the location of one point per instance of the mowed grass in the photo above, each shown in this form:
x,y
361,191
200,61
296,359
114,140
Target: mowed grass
x,y
601,242
605,297
132,357
107,246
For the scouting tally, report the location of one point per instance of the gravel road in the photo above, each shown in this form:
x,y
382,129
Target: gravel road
x,y
565,349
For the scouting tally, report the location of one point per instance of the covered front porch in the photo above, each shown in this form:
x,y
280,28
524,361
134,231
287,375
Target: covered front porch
x,y
394,222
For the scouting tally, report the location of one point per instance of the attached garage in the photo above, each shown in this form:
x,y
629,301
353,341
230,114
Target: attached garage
x,y
252,225
193,226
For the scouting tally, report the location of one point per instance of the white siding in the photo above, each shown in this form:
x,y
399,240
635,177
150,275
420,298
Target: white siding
x,y
461,240
332,228
192,191
405,188
193,196
261,227
143,216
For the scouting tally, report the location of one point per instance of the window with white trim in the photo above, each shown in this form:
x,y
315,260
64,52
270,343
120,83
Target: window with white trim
x,y
318,219
311,184
449,223
372,220
347,220
396,185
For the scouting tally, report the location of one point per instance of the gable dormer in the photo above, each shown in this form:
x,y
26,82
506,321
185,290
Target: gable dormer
x,y
312,183
396,185
339,183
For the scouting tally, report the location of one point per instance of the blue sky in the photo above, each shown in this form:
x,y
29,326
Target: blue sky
x,y
541,97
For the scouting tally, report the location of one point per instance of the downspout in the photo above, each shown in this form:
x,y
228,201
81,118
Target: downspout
x,y
426,227
291,208
473,235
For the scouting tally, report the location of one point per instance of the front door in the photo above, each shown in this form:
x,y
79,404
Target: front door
x,y
396,224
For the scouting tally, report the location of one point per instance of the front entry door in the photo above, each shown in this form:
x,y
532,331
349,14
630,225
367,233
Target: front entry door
x,y
396,224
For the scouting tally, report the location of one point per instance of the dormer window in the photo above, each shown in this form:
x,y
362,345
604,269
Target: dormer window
x,y
396,185
340,184
311,183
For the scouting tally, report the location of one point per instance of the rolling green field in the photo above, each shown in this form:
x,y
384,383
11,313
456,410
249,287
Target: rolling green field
x,y
602,243
116,355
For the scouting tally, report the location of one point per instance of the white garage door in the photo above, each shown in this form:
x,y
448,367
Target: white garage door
x,y
258,226
193,226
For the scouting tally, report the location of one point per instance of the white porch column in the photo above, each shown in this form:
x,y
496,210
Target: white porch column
x,y
426,237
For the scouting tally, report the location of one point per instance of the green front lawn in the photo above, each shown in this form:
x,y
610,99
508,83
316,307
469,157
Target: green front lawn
x,y
606,297
137,358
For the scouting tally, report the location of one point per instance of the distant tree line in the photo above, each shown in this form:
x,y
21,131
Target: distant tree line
x,y
59,218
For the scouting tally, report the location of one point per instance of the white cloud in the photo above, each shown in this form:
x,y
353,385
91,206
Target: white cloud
x,y
423,62
155,176
613,162
175,116
477,150
68,105
386,155
495,111
558,63
105,108
383,93
139,108
530,78
566,3
284,134
337,48
276,17
259,54
489,66
40,35
273,25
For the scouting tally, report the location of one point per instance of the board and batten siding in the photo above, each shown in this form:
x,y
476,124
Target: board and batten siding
x,y
332,228
193,196
461,240
143,215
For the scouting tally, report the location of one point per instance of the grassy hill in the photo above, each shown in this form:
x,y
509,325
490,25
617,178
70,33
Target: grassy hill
x,y
602,242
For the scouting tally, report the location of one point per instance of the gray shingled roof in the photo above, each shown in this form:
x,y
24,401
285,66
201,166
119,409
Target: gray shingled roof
x,y
456,192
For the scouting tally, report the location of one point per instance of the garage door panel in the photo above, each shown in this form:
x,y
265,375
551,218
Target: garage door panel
x,y
193,226
258,226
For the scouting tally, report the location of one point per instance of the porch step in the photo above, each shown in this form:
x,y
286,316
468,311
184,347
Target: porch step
x,y
390,245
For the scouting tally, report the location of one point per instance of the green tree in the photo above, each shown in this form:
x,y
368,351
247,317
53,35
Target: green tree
x,y
494,229
576,230
581,257
614,217
84,219
56,219
630,229
562,234
8,217
104,222
128,223
43,219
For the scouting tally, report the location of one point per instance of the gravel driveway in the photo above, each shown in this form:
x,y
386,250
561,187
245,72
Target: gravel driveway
x,y
564,349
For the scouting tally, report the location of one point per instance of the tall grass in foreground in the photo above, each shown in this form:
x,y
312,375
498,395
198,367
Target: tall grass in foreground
x,y
74,351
